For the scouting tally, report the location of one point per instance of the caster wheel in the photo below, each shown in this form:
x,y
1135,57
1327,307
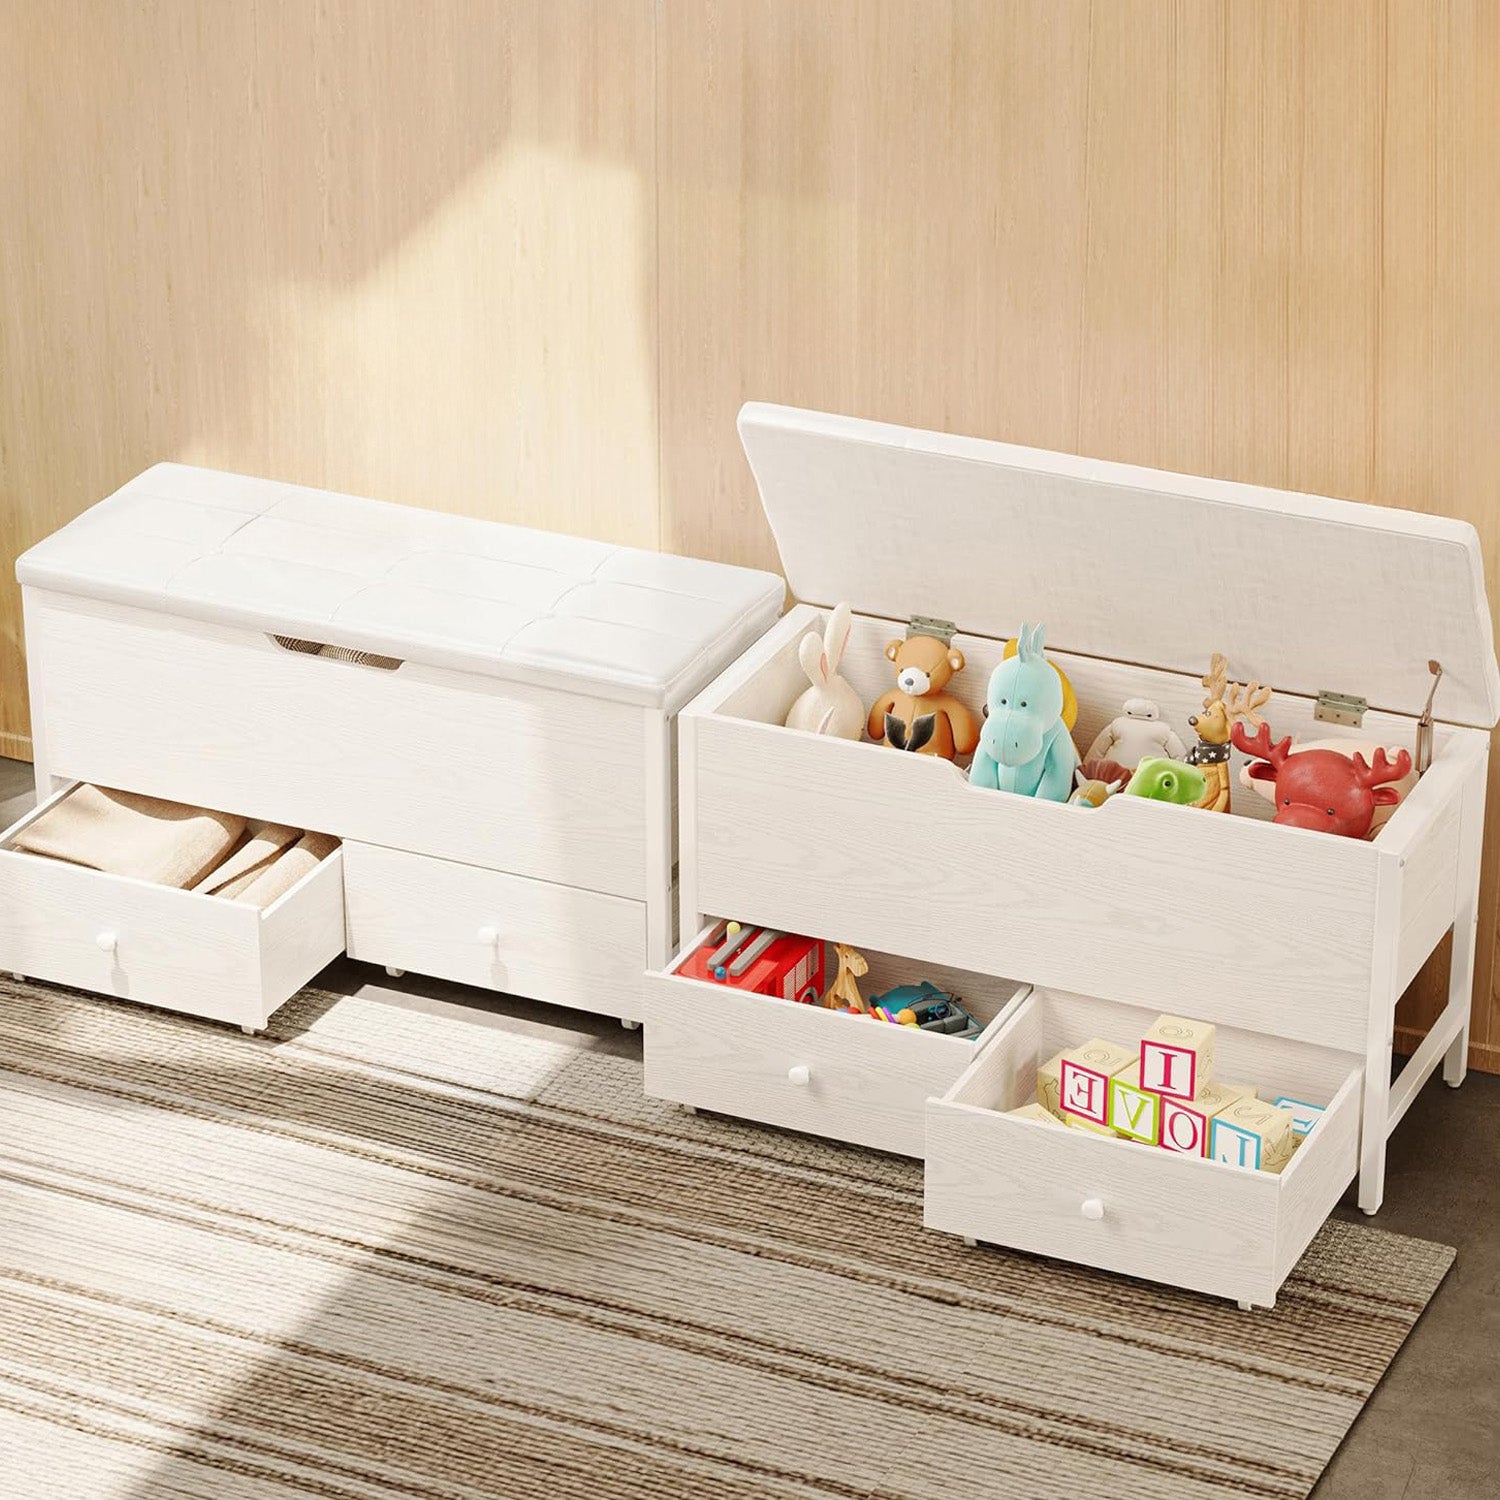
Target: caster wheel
x,y
251,1030
394,972
630,1025
689,1109
18,977
1243,1305
1369,1213
970,1241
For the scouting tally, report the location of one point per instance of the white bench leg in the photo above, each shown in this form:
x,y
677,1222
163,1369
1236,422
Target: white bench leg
x,y
1374,1131
1461,994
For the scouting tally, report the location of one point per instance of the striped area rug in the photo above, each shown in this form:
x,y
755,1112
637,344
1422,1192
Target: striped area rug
x,y
408,1251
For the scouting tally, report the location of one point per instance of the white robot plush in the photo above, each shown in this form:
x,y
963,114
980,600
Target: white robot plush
x,y
1139,732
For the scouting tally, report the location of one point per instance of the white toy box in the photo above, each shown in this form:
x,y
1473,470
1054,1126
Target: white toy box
x,y
1296,943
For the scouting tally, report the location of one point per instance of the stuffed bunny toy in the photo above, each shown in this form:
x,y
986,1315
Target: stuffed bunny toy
x,y
830,705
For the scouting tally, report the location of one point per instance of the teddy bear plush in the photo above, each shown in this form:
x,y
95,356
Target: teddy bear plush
x,y
924,667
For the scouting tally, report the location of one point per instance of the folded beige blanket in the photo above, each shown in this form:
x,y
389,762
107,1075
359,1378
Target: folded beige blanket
x,y
261,844
277,878
123,833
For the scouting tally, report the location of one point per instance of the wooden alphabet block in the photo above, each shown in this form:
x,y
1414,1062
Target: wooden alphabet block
x,y
1037,1112
1083,1078
1186,1124
1049,1085
1177,1057
1253,1134
1134,1113
1304,1115
1077,1122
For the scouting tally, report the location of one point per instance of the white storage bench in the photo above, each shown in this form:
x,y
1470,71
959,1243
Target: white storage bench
x,y
483,714
1302,940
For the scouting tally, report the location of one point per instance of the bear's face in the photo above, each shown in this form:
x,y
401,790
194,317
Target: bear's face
x,y
923,664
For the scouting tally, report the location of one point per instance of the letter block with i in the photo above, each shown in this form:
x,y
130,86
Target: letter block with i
x,y
1177,1057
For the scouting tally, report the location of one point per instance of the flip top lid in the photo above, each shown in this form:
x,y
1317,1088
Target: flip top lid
x,y
426,587
1136,565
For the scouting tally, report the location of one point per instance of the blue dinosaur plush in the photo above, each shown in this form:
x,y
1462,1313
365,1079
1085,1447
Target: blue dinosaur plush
x,y
1024,745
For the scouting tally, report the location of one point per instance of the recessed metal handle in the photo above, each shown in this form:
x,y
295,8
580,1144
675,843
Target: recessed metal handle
x,y
799,1074
488,935
107,942
1092,1208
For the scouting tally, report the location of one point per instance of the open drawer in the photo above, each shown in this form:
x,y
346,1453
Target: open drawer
x,y
899,851
805,1067
1136,1209
204,955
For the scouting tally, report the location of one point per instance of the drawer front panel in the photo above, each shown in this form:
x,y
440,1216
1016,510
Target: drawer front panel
x,y
503,932
798,1066
507,775
1118,1206
165,947
1199,913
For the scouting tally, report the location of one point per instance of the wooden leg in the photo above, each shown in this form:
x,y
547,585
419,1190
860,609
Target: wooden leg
x,y
1373,1133
1460,995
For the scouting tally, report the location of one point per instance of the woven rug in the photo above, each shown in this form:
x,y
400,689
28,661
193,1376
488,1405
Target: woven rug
x,y
413,1251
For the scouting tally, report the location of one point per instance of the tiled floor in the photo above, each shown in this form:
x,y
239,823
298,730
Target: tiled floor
x,y
1433,1427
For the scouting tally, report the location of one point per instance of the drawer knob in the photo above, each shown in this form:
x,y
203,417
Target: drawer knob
x,y
107,942
800,1074
488,935
1092,1208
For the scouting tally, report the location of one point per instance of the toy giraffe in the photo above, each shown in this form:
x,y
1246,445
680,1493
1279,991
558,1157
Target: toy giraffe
x,y
1226,702
844,993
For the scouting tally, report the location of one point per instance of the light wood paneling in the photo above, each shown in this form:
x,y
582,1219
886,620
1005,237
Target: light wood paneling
x,y
401,250
1251,241
420,259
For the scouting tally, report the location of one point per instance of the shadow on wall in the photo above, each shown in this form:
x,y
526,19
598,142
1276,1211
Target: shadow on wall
x,y
401,251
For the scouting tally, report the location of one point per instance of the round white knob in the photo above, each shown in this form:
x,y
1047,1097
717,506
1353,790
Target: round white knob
x,y
1092,1208
488,935
107,942
800,1075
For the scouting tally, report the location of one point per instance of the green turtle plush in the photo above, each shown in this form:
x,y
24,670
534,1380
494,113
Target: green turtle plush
x,y
1165,780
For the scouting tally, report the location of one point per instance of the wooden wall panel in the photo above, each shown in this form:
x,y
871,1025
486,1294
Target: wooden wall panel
x,y
1250,240
402,250
527,257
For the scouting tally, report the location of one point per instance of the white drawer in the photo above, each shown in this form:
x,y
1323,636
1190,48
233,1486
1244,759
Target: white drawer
x,y
484,927
161,946
802,1066
504,774
1134,1209
882,849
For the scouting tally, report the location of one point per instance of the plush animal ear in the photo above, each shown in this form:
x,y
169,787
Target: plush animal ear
x,y
892,650
1115,786
836,636
1261,770
814,661
1386,796
956,659
1079,779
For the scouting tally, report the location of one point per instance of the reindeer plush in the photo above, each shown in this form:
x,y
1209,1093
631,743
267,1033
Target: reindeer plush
x,y
1225,703
1323,789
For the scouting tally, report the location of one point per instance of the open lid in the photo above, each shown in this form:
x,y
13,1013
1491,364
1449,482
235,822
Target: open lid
x,y
1135,565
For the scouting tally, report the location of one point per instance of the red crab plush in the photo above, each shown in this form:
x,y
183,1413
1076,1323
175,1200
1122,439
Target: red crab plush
x,y
1322,789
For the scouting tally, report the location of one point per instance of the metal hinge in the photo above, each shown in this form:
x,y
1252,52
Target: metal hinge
x,y
943,630
1341,708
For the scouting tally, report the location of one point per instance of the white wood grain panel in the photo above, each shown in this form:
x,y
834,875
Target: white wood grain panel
x,y
918,499
503,932
1186,1221
543,783
1429,892
302,931
1166,906
722,1049
161,946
